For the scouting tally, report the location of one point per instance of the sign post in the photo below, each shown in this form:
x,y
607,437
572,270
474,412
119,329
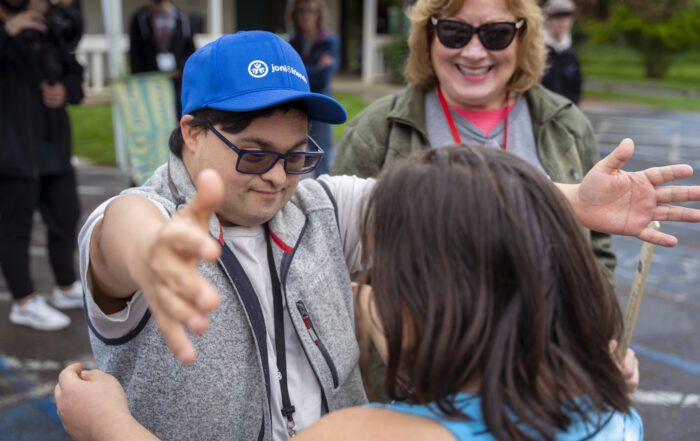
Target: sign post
x,y
636,292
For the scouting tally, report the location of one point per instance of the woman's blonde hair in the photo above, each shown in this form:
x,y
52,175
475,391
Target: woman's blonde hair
x,y
531,56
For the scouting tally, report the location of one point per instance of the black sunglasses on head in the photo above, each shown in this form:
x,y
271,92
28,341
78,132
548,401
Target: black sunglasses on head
x,y
257,162
456,34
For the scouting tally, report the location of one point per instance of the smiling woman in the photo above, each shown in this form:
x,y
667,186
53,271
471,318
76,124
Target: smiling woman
x,y
473,71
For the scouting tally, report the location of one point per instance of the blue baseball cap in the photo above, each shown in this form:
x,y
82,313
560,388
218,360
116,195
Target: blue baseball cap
x,y
248,71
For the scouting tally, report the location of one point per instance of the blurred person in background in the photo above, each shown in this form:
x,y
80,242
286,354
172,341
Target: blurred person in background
x,y
474,72
563,74
320,51
39,76
161,40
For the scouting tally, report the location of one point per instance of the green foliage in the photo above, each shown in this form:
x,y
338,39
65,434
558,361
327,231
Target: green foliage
x,y
658,29
395,56
621,64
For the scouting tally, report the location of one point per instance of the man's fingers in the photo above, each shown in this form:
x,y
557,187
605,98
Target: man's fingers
x,y
177,279
92,375
70,373
676,214
210,193
657,237
182,311
676,193
630,370
187,241
175,335
618,157
668,173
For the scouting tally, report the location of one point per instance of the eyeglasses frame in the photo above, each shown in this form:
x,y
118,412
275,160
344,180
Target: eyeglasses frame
x,y
241,152
475,30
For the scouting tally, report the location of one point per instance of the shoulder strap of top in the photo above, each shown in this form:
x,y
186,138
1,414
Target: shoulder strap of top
x,y
330,196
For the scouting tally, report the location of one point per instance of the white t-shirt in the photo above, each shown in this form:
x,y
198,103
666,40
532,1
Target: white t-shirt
x,y
249,246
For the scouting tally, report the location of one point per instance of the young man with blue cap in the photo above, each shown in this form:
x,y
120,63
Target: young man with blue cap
x,y
280,349
274,293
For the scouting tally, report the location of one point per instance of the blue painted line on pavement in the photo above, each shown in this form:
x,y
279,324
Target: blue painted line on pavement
x,y
19,384
35,419
671,360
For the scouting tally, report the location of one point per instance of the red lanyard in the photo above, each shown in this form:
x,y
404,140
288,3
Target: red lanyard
x,y
453,127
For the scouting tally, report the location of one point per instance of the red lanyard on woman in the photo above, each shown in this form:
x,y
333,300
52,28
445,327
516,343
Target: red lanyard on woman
x,y
453,127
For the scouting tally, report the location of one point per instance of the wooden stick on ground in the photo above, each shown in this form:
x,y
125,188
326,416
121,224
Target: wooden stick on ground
x,y
636,292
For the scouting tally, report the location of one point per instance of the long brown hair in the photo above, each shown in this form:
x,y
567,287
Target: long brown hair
x,y
482,275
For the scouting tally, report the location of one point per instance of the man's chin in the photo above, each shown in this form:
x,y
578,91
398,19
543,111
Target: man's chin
x,y
247,220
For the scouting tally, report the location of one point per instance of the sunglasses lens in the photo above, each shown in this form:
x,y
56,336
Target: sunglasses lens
x,y
454,34
256,162
302,163
497,36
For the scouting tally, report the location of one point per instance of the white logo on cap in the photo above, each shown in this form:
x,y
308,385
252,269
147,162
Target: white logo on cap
x,y
257,69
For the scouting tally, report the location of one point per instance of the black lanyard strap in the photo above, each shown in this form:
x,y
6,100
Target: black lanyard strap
x,y
280,349
253,309
252,306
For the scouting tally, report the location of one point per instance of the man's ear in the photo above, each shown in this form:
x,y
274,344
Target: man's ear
x,y
190,134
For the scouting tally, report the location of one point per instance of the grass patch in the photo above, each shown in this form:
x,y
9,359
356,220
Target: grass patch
x,y
93,135
353,105
655,101
620,63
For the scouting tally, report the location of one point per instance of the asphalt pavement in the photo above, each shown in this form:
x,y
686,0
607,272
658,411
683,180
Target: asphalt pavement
x,y
665,338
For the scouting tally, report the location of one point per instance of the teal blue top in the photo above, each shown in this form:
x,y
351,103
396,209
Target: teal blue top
x,y
607,426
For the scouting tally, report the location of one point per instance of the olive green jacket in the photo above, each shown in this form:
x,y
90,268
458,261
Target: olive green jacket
x,y
394,127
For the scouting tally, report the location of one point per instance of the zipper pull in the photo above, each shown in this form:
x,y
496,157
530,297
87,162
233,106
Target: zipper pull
x,y
307,321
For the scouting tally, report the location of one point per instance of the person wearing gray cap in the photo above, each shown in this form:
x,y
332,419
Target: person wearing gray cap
x,y
563,74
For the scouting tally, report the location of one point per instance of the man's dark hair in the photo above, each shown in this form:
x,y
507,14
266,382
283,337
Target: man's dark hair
x,y
483,277
232,122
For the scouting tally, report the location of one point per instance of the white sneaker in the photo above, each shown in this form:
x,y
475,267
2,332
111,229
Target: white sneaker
x,y
73,298
38,314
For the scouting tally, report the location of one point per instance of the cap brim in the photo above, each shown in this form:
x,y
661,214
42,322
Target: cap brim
x,y
320,107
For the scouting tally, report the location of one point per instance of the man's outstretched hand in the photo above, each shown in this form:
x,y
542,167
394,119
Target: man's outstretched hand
x,y
178,296
615,201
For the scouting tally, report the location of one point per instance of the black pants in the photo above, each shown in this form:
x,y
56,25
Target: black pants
x,y
56,198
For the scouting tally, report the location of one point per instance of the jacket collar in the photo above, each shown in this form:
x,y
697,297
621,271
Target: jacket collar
x,y
410,109
544,105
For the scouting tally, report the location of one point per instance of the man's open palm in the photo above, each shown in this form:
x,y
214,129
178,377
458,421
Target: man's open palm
x,y
619,202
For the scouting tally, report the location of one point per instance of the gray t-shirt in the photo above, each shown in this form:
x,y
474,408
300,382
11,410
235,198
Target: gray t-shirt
x,y
521,140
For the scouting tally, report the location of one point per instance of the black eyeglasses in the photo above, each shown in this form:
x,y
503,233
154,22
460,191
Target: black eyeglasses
x,y
455,34
257,162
